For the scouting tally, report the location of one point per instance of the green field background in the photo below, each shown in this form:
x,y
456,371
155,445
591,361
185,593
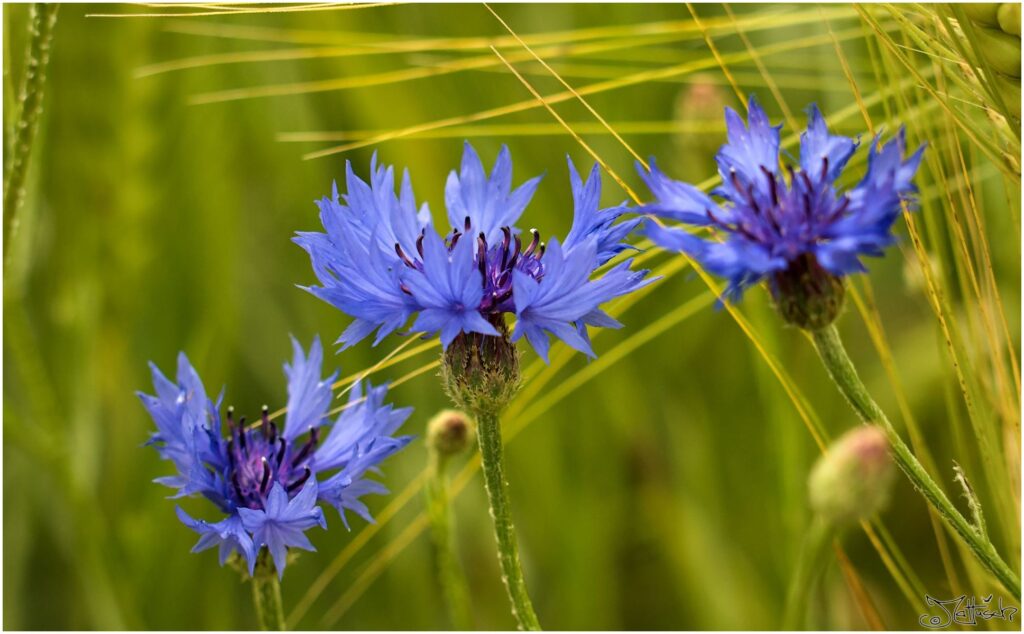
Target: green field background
x,y
667,490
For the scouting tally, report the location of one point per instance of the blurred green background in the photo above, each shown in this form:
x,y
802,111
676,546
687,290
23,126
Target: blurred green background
x,y
666,491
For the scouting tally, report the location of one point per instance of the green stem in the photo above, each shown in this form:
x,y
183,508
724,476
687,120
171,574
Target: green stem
x,y
844,375
449,572
489,433
42,18
266,594
808,566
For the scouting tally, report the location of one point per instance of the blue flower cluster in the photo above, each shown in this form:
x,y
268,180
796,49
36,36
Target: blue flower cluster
x,y
381,261
770,222
269,481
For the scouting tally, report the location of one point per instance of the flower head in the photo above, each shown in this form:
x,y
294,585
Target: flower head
x,y
380,260
853,480
794,226
449,433
268,481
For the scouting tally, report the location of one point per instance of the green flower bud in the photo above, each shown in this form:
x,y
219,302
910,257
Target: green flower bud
x,y
1009,18
852,481
1000,50
698,107
481,372
806,295
450,432
982,12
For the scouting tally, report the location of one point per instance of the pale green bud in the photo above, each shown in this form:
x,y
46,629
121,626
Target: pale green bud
x,y
450,433
1001,50
1009,18
852,481
982,12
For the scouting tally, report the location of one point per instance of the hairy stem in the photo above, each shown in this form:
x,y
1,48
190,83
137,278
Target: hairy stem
x,y
489,433
844,375
42,18
266,594
449,573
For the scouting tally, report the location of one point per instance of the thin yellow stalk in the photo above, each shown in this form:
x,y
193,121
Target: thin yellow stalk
x,y
568,87
714,52
762,69
320,6
629,80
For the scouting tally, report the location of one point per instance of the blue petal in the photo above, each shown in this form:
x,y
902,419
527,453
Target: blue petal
x,y
229,534
588,220
676,200
489,203
282,523
566,295
752,149
355,258
449,290
309,397
822,155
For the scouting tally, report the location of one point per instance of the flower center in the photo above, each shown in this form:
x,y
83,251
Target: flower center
x,y
496,263
259,457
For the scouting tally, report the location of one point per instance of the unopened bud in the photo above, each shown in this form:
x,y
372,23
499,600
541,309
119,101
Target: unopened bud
x,y
982,12
852,481
806,295
481,372
698,118
450,432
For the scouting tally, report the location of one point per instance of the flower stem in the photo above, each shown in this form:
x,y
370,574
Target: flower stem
x,y
449,572
844,375
809,564
266,594
42,18
489,433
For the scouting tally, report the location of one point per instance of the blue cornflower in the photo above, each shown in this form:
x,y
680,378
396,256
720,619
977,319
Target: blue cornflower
x,y
381,261
791,231
268,482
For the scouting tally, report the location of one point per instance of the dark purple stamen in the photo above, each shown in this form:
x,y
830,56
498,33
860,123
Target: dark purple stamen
x,y
771,184
302,480
507,238
839,211
306,448
405,258
266,476
515,253
745,191
481,243
261,456
807,181
533,243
